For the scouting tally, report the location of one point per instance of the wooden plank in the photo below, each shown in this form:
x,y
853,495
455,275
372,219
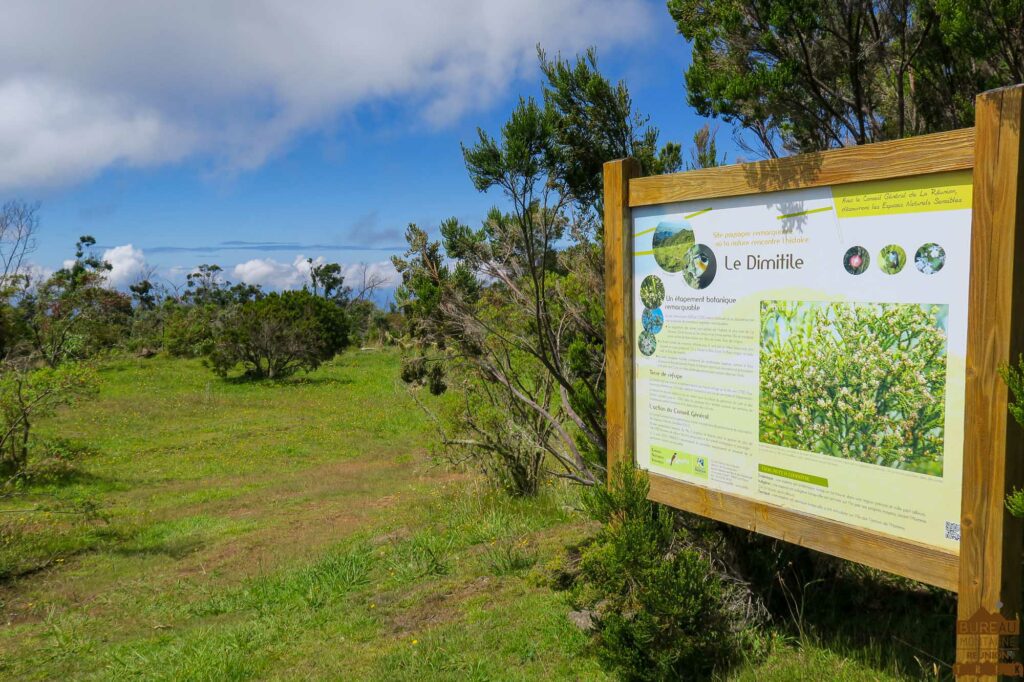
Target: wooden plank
x,y
902,557
899,158
618,282
990,541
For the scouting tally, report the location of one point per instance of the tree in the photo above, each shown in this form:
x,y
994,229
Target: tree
x,y
278,334
511,315
144,293
810,75
593,121
72,314
27,394
49,314
327,281
369,282
19,222
206,286
704,153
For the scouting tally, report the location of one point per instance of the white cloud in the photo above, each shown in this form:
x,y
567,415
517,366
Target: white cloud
x,y
272,274
49,133
87,85
35,272
127,263
382,271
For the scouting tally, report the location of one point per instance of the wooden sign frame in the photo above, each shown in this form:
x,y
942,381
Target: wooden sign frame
x,y
987,571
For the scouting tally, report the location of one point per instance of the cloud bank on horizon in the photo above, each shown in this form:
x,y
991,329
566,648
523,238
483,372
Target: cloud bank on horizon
x,y
86,86
129,265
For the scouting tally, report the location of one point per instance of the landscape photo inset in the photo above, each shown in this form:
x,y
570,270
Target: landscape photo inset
x,y
671,242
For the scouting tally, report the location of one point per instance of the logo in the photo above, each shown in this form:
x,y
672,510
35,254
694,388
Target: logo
x,y
988,644
701,465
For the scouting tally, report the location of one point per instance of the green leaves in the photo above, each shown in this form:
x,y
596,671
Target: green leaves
x,y
809,75
26,394
278,334
519,158
856,381
1013,375
661,610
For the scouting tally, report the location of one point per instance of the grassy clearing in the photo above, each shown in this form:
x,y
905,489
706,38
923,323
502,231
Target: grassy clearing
x,y
297,530
275,531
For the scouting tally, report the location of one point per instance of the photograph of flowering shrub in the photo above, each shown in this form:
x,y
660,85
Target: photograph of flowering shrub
x,y
861,381
930,258
652,292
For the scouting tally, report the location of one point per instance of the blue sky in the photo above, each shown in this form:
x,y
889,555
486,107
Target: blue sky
x,y
313,163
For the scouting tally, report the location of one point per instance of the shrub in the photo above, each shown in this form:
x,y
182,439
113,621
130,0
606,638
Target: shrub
x,y
72,314
1013,375
27,394
188,329
661,610
862,381
277,335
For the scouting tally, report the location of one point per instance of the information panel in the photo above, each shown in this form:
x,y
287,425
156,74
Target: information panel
x,y
807,349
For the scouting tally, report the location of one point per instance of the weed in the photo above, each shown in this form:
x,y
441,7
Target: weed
x,y
511,558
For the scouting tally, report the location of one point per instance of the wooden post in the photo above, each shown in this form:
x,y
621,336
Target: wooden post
x,y
990,544
618,282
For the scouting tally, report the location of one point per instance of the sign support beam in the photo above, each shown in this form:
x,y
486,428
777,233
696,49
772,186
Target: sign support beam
x,y
618,283
990,541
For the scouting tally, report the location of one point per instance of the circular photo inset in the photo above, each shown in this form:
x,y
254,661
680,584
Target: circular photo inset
x,y
648,344
699,266
856,260
653,320
930,258
892,258
670,243
652,292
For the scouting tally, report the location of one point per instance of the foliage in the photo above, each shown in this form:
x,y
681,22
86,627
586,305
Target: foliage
x,y
326,280
652,291
662,611
278,334
188,329
511,314
206,286
861,381
1013,375
593,121
804,76
73,315
28,394
704,153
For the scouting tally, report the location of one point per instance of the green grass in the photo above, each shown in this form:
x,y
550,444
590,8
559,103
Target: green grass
x,y
297,530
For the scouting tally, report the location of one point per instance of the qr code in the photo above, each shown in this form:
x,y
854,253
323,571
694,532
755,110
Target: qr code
x,y
952,531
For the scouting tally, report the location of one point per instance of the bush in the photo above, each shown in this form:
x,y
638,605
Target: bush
x,y
188,329
73,315
861,381
661,609
27,394
277,335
